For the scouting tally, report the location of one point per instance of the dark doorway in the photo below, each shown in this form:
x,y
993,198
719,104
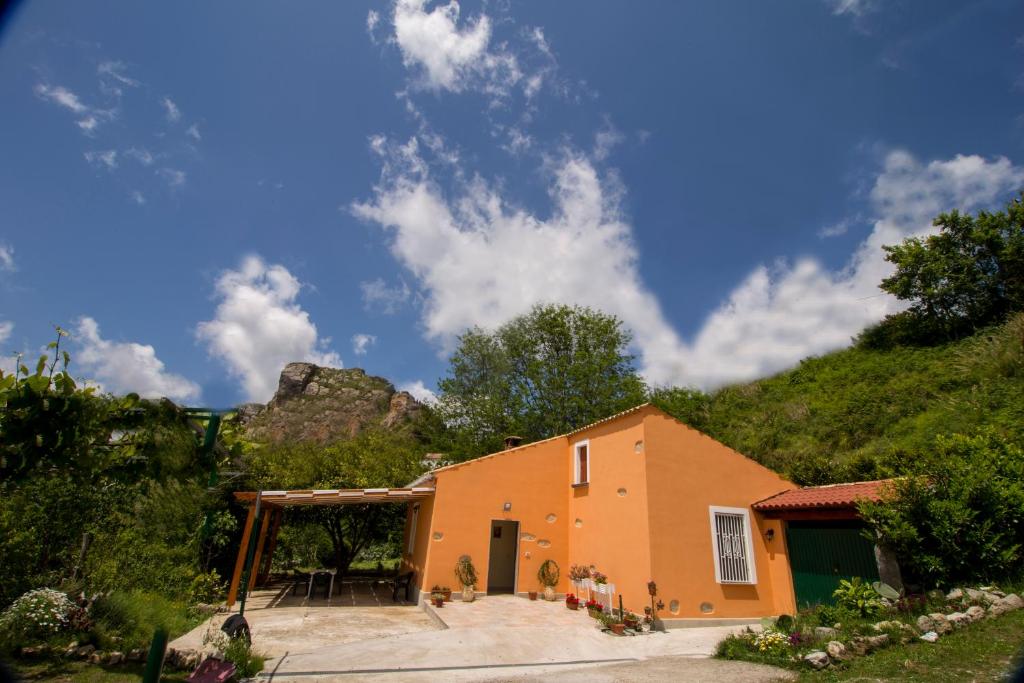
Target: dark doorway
x,y
501,565
822,553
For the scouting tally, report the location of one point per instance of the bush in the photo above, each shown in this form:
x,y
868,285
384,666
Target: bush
x,y
207,588
35,616
958,514
859,597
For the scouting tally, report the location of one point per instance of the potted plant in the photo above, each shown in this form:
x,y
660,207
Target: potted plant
x,y
533,595
548,575
594,608
436,596
632,621
465,572
447,593
572,602
598,578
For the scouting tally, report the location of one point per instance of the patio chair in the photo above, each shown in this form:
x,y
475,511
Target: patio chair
x,y
402,581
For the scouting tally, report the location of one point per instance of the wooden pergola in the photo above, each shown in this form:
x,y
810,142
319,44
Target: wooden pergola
x,y
266,508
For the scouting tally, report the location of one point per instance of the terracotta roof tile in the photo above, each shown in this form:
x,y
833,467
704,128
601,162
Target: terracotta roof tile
x,y
832,496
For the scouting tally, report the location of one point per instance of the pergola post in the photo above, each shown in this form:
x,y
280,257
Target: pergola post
x,y
243,547
260,542
268,559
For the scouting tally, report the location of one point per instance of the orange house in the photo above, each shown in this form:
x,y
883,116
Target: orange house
x,y
639,495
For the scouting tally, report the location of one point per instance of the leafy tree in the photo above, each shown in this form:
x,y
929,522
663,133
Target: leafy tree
x,y
958,513
547,372
967,276
371,459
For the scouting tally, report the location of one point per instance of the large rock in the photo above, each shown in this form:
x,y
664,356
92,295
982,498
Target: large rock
x,y
836,650
930,637
975,613
936,621
321,405
817,659
958,619
1003,605
824,632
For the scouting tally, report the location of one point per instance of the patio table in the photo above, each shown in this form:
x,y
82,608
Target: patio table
x,y
312,575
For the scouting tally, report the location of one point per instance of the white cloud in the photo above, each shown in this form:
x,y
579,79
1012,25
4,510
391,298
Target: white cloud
x,y
834,230
61,96
450,57
362,342
141,155
778,316
115,71
7,258
372,19
123,367
105,159
386,299
138,197
855,8
193,132
258,327
6,328
419,391
171,110
90,117
173,176
481,261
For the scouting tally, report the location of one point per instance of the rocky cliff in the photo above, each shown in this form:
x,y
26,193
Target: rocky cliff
x,y
326,404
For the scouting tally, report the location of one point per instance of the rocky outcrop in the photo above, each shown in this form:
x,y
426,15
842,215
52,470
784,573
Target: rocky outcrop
x,y
322,405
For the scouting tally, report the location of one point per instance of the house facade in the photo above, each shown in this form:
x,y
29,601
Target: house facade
x,y
639,496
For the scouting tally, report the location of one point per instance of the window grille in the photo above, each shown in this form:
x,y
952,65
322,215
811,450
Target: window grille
x,y
733,563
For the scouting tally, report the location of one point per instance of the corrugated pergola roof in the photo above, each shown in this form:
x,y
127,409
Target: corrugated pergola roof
x,y
335,496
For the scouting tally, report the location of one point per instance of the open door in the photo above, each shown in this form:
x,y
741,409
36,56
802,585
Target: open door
x,y
501,566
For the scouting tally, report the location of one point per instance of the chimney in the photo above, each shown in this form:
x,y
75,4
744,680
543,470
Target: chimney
x,y
512,441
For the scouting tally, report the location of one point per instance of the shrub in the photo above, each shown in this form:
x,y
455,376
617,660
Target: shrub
x,y
36,615
858,597
958,515
133,616
206,588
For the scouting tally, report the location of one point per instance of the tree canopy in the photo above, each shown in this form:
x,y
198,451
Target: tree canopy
x,y
967,276
547,372
371,459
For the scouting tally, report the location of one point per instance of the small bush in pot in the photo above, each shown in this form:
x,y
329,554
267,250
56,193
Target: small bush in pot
x,y
465,572
594,608
548,575
572,602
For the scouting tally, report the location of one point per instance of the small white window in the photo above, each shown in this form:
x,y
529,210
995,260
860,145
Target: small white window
x,y
581,462
731,541
412,528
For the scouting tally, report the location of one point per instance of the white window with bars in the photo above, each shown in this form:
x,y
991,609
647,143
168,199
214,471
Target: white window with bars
x,y
731,542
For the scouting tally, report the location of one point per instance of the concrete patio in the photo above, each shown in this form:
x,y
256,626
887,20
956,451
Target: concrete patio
x,y
495,638
285,623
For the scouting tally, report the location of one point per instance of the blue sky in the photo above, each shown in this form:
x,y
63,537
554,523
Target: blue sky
x,y
202,192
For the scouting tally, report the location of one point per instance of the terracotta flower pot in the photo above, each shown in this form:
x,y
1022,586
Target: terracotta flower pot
x,y
573,605
618,629
533,595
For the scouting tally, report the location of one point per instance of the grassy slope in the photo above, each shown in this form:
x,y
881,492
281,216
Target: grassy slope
x,y
852,406
980,652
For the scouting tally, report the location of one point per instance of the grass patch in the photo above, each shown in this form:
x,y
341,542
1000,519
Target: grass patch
x,y
127,619
983,651
81,672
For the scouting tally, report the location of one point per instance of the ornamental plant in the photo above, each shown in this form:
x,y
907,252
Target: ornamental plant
x,y
548,574
771,642
859,597
37,614
598,577
465,571
578,573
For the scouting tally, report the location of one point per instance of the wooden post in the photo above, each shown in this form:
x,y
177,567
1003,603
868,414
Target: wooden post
x,y
260,540
243,547
268,559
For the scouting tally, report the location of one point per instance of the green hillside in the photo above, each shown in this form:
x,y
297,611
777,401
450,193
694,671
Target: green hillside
x,y
846,415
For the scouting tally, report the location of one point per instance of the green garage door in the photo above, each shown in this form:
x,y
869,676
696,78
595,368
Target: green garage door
x,y
822,553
